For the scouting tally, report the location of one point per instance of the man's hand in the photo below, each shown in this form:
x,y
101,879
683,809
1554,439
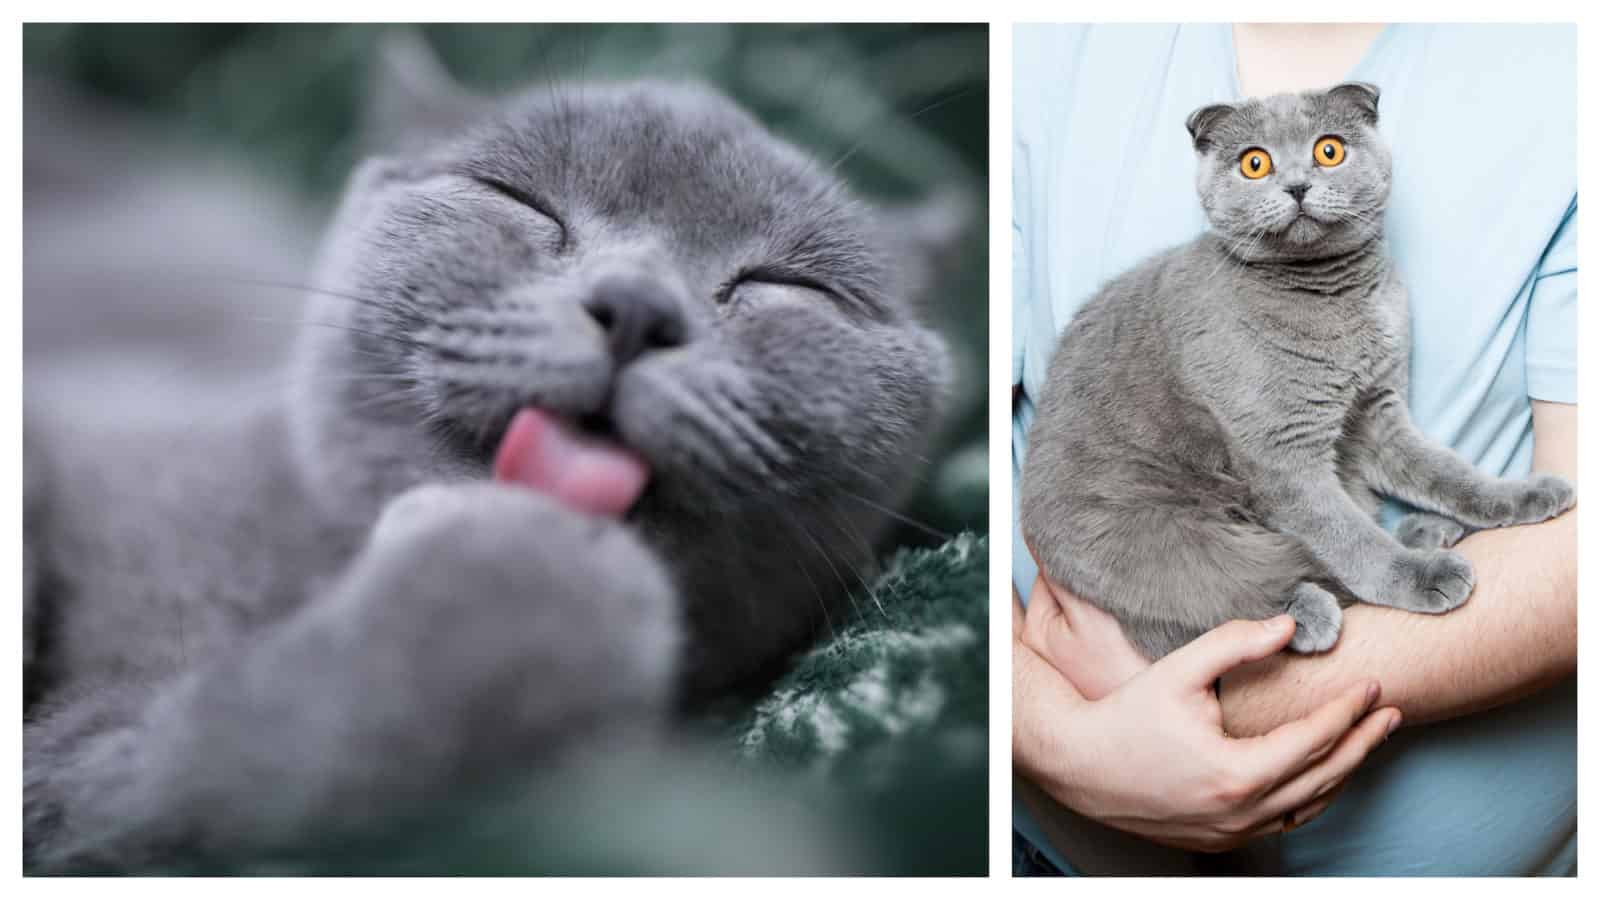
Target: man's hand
x,y
1151,757
1083,642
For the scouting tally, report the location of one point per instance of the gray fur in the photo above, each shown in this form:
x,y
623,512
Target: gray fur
x,y
1219,423
229,655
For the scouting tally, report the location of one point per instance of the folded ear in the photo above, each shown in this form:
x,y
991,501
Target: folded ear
x,y
412,97
1204,121
1359,95
927,233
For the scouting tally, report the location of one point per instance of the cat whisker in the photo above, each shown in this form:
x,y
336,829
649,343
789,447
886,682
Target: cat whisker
x,y
816,590
827,558
372,302
899,517
844,528
821,603
942,101
338,326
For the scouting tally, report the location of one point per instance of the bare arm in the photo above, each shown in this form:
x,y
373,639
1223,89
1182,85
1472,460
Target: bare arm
x,y
1517,634
1150,757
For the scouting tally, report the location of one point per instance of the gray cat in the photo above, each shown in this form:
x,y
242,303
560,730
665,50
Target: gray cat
x,y
602,388
1219,423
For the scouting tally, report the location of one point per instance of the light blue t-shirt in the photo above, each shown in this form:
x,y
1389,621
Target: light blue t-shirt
x,y
1482,224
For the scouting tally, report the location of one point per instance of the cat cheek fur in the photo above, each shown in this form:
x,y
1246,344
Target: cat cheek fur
x,y
794,389
864,387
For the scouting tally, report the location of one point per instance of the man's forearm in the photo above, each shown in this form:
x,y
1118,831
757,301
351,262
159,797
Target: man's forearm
x,y
1516,635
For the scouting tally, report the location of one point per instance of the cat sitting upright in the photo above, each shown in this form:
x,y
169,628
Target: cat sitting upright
x,y
600,388
1219,423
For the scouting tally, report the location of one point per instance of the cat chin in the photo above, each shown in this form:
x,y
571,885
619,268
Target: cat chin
x,y
1303,230
1300,237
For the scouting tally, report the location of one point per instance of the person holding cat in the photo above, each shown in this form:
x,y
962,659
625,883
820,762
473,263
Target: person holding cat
x,y
1480,224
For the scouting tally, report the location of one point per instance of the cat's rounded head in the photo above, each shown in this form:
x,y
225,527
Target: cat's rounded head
x,y
1293,176
648,265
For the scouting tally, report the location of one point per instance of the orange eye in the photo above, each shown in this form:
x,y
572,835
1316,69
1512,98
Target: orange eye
x,y
1329,152
1255,163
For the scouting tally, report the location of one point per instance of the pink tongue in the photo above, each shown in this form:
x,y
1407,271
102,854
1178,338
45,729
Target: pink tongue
x,y
585,473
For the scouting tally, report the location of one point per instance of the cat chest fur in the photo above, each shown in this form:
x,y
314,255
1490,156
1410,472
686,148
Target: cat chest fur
x,y
1302,360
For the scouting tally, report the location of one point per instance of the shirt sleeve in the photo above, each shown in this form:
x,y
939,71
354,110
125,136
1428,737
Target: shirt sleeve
x,y
1552,332
1020,263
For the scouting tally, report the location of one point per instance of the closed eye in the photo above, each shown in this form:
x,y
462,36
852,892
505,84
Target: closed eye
x,y
777,280
524,198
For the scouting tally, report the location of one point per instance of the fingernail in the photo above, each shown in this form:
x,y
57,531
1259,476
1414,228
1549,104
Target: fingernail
x,y
1394,722
1277,623
1372,693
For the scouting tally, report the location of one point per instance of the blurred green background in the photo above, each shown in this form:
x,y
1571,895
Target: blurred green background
x,y
905,105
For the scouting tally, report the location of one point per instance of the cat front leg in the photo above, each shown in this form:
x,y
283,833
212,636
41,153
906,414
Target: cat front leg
x,y
1370,564
482,631
1402,462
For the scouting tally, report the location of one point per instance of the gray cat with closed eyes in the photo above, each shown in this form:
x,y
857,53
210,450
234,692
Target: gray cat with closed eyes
x,y
1219,423
603,386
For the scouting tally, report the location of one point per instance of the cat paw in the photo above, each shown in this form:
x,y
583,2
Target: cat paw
x,y
1542,497
1427,531
529,520
1520,502
491,527
1431,582
515,607
420,508
1317,619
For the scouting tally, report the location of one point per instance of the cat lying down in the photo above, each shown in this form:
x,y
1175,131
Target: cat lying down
x,y
1220,423
600,387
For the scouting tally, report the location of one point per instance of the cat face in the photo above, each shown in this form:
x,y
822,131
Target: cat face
x,y
648,265
1293,176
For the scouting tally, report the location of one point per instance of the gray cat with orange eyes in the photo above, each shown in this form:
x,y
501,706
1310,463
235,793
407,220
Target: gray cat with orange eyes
x,y
1220,423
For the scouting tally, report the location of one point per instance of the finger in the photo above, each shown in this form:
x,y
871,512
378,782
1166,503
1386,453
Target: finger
x,y
1041,598
1316,807
1283,823
1288,749
1316,782
1226,647
1040,618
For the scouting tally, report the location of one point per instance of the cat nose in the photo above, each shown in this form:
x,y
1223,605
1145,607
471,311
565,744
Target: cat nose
x,y
637,316
1298,191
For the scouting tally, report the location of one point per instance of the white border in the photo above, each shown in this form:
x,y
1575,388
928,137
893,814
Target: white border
x,y
1000,13
1000,131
